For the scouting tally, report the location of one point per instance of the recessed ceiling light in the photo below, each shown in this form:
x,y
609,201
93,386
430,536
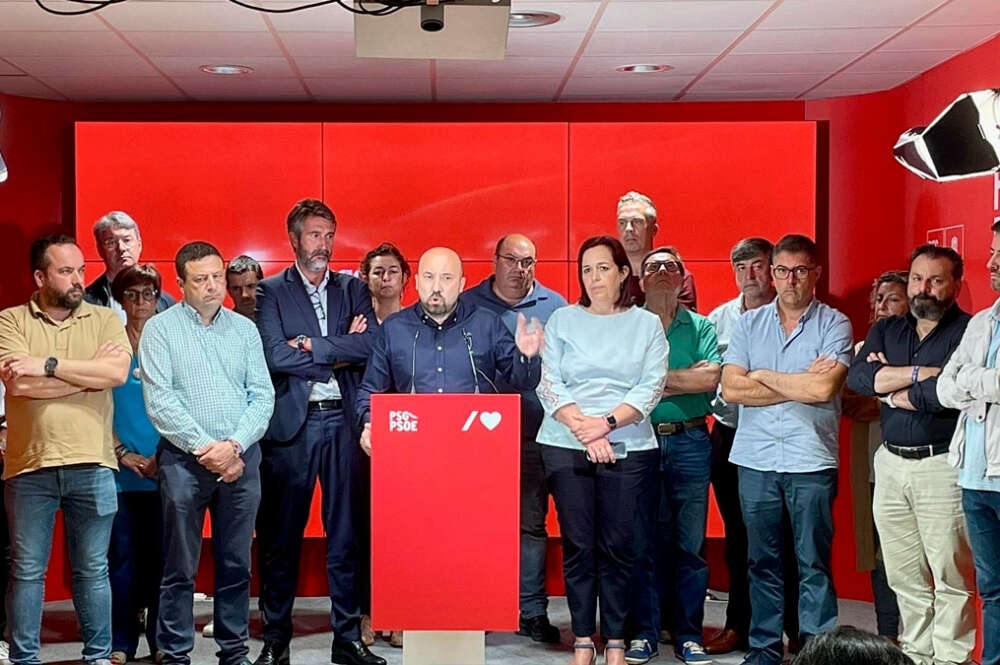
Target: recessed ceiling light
x,y
227,70
643,69
532,19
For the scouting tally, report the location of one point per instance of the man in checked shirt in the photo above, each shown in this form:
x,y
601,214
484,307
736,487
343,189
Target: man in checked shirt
x,y
208,393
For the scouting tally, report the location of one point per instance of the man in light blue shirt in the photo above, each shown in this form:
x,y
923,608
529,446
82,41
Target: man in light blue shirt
x,y
785,366
970,382
208,393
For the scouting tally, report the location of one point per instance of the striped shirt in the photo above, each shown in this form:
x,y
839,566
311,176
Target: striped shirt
x,y
205,383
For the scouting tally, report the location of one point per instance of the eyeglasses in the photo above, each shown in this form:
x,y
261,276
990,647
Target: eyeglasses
x,y
513,262
782,272
132,295
653,267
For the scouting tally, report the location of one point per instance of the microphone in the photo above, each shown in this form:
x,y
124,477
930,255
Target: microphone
x,y
413,364
476,372
472,359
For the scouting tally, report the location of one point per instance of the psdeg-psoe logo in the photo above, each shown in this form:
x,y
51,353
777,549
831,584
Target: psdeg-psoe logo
x,y
402,421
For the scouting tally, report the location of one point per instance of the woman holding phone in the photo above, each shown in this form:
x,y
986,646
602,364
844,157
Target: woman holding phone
x,y
603,371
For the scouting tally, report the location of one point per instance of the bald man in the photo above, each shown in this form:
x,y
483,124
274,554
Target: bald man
x,y
445,345
511,290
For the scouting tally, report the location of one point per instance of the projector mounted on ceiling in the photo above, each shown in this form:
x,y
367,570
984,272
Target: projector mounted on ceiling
x,y
450,30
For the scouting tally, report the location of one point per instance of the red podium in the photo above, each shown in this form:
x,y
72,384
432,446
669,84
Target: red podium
x,y
445,515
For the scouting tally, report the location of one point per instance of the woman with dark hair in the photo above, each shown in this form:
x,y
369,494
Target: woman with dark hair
x,y
847,645
135,558
887,298
386,272
603,371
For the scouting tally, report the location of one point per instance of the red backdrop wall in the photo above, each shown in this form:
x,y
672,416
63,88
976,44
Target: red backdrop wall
x,y
869,211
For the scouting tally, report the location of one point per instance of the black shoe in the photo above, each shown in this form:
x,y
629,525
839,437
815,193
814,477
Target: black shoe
x,y
274,653
538,629
353,653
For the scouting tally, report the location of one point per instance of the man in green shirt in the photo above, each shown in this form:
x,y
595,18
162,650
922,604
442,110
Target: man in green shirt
x,y
670,569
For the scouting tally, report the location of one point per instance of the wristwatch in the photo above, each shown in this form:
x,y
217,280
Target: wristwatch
x,y
50,367
300,342
611,420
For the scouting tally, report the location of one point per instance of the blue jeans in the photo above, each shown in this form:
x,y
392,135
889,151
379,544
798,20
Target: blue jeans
x,y
135,561
982,516
534,538
671,571
86,495
809,499
187,490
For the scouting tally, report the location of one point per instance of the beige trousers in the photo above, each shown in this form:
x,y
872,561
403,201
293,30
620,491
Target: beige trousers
x,y
925,545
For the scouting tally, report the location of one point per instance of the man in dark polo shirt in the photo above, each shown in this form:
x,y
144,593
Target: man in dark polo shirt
x,y
670,521
918,503
511,290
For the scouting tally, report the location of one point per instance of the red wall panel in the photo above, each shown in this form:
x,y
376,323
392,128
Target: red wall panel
x,y
230,184
459,185
712,183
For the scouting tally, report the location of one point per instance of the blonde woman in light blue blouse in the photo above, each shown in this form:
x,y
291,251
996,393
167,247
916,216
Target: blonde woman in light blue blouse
x,y
603,371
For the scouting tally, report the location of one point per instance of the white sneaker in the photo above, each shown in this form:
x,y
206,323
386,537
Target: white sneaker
x,y
4,653
209,629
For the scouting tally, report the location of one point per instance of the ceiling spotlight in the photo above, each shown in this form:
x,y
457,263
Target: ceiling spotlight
x,y
643,69
532,19
227,70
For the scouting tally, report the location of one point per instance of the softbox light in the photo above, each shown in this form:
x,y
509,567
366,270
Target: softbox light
x,y
963,141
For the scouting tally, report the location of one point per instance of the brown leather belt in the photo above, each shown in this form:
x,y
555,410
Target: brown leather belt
x,y
680,426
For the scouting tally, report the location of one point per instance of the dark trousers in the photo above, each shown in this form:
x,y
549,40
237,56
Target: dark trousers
x,y
4,560
886,607
187,490
534,538
808,498
726,482
135,568
982,515
596,505
324,447
670,569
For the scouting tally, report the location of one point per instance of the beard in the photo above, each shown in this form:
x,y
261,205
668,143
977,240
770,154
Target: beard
x,y
440,307
315,261
69,299
928,307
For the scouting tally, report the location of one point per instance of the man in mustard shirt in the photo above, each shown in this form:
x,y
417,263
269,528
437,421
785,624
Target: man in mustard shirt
x,y
59,359
671,571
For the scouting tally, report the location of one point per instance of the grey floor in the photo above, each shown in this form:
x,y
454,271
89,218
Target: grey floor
x,y
311,646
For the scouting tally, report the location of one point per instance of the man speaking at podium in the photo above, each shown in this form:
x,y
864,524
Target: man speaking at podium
x,y
442,345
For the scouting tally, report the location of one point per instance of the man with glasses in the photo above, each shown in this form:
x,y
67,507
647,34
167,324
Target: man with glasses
x,y
636,228
670,566
751,261
317,327
785,366
513,290
918,500
120,246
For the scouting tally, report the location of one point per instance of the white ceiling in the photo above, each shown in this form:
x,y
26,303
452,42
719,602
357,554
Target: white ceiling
x,y
149,50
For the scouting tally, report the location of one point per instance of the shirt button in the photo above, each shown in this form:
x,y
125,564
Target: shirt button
x,y
439,348
440,370
439,327
440,390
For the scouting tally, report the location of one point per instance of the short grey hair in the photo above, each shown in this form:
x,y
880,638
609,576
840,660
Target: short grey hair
x,y
116,219
641,199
